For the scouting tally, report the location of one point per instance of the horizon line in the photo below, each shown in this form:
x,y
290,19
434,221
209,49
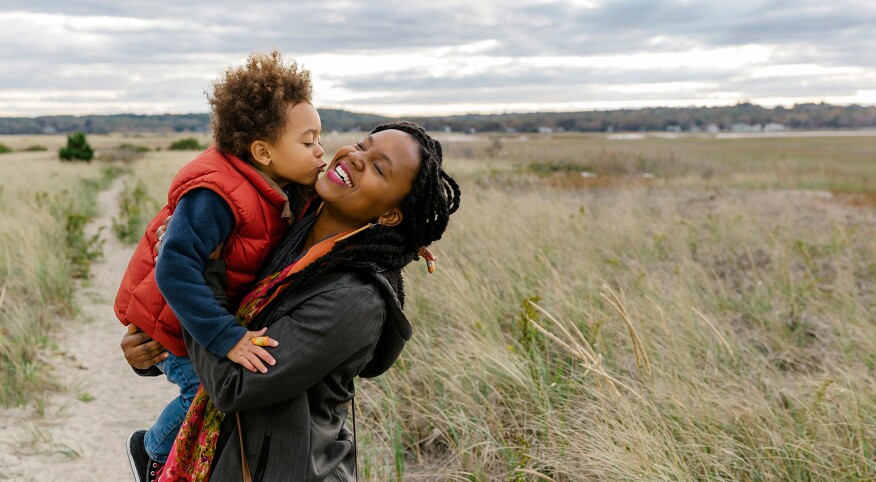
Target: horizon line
x,y
485,113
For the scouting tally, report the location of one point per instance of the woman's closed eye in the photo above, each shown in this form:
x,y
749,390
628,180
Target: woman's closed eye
x,y
378,169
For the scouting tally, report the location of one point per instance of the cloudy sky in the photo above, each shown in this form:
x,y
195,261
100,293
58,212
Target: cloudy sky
x,y
440,57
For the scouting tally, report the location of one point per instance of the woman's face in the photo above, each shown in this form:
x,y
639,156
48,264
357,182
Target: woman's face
x,y
370,178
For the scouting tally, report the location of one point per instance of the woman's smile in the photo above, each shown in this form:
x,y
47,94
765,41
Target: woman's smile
x,y
341,174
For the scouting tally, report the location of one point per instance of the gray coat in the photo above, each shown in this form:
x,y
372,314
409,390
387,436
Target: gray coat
x,y
293,417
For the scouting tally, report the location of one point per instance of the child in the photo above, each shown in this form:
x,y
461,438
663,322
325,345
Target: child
x,y
228,203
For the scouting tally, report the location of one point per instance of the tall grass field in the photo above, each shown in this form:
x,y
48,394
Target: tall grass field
x,y
604,308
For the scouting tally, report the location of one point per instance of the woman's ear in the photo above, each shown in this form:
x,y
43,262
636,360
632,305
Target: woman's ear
x,y
391,218
260,152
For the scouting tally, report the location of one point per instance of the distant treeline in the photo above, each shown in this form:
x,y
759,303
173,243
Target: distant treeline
x,y
801,116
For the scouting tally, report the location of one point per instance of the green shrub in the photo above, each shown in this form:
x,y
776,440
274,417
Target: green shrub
x,y
4,149
134,147
36,148
135,211
77,148
82,249
187,144
123,153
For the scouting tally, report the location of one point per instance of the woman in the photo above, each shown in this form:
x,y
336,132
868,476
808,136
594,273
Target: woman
x,y
335,309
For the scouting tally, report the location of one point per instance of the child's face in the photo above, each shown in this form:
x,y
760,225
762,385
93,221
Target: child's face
x,y
296,156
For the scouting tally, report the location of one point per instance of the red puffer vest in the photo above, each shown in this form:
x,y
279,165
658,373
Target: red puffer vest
x,y
258,227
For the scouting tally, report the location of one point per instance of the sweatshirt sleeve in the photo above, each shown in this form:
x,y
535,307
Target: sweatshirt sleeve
x,y
201,222
331,329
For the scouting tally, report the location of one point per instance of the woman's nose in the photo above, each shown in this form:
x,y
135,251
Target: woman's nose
x,y
319,151
357,160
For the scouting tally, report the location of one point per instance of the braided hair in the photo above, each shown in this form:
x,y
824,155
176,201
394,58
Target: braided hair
x,y
426,209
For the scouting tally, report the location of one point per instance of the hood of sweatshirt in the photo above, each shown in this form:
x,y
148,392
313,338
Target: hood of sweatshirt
x,y
397,329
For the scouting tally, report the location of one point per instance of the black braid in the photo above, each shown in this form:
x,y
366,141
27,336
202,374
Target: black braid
x,y
433,197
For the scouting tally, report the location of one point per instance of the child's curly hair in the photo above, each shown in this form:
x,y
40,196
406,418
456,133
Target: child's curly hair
x,y
250,102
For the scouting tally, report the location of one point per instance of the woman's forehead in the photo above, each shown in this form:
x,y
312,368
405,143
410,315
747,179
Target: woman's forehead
x,y
401,148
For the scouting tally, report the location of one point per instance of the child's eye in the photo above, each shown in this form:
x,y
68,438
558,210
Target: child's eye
x,y
379,170
308,144
359,145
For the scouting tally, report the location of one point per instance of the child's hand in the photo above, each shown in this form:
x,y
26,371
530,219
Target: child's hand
x,y
250,355
425,252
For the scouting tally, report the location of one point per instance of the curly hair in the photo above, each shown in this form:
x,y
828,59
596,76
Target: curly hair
x,y
250,102
426,209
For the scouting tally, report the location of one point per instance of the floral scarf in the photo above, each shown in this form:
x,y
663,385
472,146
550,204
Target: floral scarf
x,y
193,450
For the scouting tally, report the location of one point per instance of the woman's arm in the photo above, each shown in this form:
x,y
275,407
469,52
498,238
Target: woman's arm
x,y
320,335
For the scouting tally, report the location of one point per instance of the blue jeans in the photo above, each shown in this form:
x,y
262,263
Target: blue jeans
x,y
180,371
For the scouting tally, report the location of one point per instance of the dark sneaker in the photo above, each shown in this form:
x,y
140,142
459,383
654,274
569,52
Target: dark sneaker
x,y
144,468
154,471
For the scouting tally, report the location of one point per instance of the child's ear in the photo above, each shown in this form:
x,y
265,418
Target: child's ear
x,y
391,218
260,152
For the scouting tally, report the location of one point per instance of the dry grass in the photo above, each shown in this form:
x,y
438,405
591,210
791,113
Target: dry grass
x,y
681,327
44,204
686,330
817,163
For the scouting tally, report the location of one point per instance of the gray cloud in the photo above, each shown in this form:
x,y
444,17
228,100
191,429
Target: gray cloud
x,y
168,52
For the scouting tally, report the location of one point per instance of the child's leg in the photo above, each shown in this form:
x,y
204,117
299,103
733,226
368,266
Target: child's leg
x,y
159,438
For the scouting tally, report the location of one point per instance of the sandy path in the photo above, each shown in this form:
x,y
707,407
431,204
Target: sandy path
x,y
78,439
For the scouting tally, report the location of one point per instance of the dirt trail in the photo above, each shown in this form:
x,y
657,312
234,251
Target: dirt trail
x,y
81,433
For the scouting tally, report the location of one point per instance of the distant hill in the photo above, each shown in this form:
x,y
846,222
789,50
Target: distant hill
x,y
743,116
332,119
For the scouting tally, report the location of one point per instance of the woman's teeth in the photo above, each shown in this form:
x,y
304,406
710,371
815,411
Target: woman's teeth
x,y
343,175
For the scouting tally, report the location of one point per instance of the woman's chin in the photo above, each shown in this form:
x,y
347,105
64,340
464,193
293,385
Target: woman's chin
x,y
321,185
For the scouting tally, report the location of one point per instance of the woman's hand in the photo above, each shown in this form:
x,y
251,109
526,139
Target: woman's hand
x,y
249,352
141,351
160,234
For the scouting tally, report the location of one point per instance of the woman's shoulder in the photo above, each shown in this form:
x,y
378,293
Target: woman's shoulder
x,y
344,280
347,289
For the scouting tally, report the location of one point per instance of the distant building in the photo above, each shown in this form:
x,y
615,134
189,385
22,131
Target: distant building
x,y
545,130
774,127
712,128
673,128
447,129
745,127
